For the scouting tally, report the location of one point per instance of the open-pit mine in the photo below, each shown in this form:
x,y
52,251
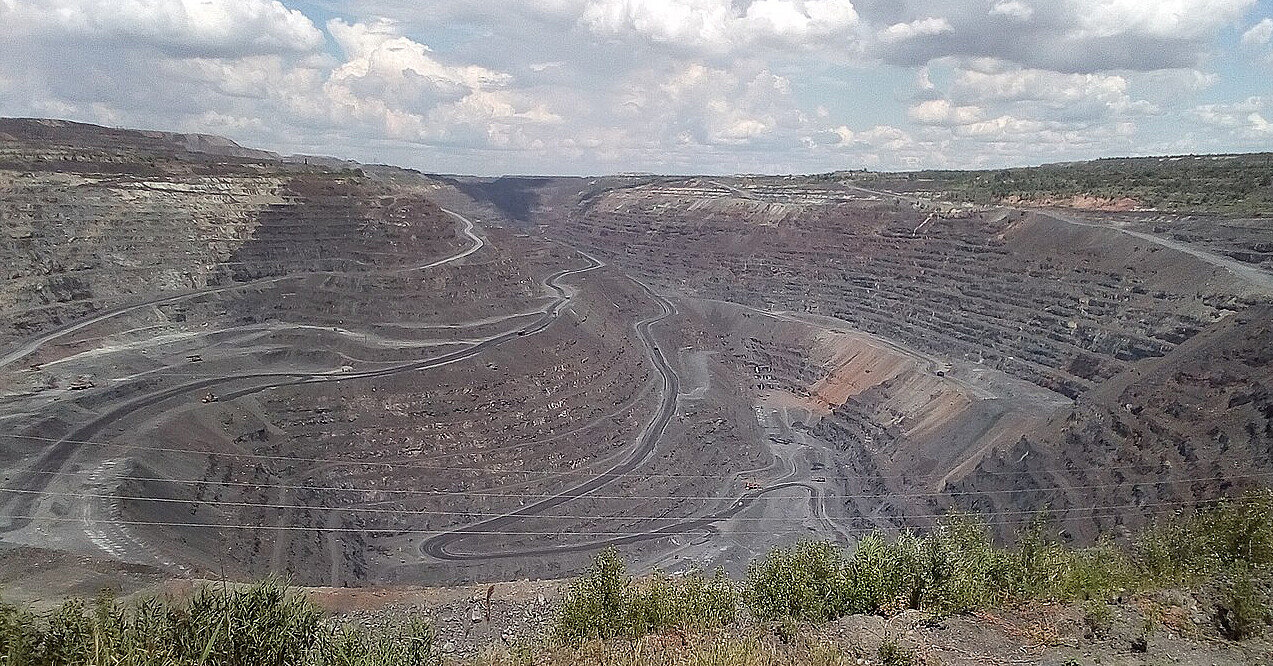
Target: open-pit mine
x,y
218,361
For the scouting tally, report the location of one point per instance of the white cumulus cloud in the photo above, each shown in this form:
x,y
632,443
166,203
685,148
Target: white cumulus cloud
x,y
900,32
673,85
942,112
718,25
1013,8
1259,34
180,27
1172,19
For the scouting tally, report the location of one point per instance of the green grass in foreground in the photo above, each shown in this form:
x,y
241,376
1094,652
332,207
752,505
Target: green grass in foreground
x,y
606,602
264,625
956,568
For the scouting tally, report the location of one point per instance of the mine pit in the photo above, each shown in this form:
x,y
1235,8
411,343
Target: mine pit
x,y
259,366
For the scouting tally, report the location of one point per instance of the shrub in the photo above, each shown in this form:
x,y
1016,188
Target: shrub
x,y
806,582
661,603
1243,610
18,638
954,568
1204,543
893,654
1097,618
957,567
701,602
407,643
265,624
1168,549
962,569
68,636
605,602
951,569
1045,569
877,574
1241,531
595,606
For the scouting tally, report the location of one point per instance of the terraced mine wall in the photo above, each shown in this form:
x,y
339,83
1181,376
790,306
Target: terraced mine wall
x,y
237,365
217,362
1105,375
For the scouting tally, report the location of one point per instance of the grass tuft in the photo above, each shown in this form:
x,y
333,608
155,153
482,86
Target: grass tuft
x,y
958,568
1244,610
605,602
265,625
955,568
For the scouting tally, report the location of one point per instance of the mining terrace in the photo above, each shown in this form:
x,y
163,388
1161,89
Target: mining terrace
x,y
217,361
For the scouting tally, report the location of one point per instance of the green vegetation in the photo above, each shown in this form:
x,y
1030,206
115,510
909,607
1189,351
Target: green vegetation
x,y
218,626
605,602
1239,185
1244,609
892,654
956,568
694,650
1097,618
608,616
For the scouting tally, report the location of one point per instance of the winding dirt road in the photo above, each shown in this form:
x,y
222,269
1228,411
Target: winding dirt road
x,y
440,546
36,344
444,546
1251,274
28,483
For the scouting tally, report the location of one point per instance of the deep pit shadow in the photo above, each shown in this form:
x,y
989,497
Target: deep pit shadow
x,y
515,196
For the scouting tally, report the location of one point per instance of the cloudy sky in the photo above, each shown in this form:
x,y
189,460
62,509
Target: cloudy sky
x,y
672,86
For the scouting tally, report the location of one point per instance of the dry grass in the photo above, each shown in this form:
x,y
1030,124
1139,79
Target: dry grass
x,y
610,618
708,649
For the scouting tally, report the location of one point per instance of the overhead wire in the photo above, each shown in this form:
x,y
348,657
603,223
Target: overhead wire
x,y
399,464
484,514
1166,507
633,497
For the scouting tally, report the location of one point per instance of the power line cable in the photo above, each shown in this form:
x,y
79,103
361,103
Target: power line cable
x,y
577,517
465,493
400,531
398,465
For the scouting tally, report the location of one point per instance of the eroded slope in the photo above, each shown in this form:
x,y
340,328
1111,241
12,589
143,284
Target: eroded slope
x,y
1044,359
241,365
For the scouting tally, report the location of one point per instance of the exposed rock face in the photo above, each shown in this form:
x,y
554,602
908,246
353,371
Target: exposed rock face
x,y
1191,425
214,360
1156,343
111,144
79,243
246,365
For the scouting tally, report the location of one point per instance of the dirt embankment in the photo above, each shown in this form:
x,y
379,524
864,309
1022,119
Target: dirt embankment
x,y
1079,201
508,618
